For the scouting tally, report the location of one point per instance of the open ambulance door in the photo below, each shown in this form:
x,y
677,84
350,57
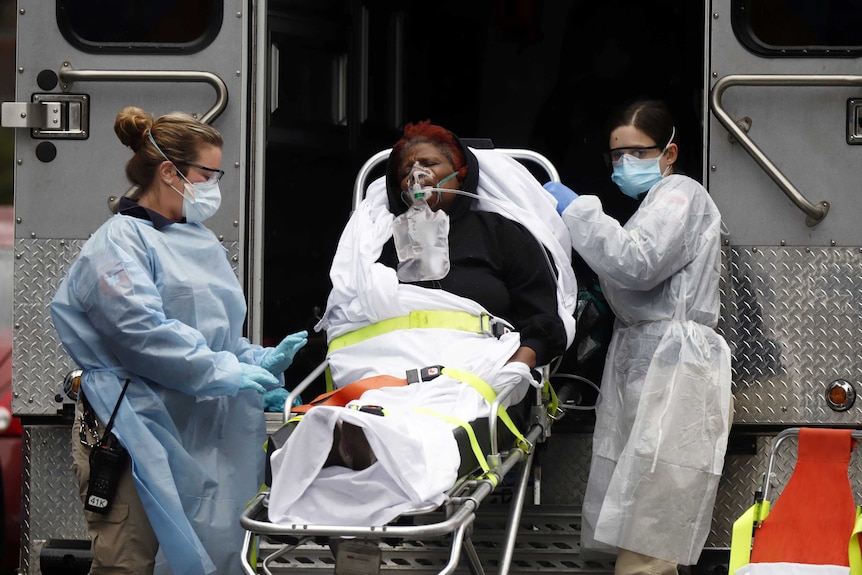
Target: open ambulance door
x,y
78,64
783,160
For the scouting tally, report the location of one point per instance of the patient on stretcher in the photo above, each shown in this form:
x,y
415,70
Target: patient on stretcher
x,y
477,284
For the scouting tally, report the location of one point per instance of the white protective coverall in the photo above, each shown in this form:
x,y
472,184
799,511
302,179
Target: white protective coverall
x,y
662,418
417,456
164,309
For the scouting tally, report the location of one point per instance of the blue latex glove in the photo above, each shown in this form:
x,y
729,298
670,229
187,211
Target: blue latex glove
x,y
281,356
274,399
562,193
255,377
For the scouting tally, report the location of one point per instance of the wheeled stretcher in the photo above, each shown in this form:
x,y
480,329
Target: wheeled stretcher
x,y
490,453
496,446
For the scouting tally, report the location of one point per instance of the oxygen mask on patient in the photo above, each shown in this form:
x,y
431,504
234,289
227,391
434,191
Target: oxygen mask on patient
x,y
421,234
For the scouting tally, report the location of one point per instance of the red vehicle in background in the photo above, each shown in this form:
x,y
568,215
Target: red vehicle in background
x,y
10,427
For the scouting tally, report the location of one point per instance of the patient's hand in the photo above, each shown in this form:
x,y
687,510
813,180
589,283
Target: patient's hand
x,y
525,355
513,374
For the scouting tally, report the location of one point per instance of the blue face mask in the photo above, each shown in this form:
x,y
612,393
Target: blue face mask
x,y
635,176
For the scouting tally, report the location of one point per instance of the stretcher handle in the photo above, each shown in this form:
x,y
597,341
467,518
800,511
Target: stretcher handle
x,y
302,385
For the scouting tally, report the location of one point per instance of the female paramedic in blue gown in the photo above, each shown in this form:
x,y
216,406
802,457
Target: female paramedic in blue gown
x,y
153,314
423,276
663,415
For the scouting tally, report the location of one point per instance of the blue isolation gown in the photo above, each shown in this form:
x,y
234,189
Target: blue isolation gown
x,y
161,305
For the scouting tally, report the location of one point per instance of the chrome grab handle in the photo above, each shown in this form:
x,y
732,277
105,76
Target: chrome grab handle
x,y
815,211
68,76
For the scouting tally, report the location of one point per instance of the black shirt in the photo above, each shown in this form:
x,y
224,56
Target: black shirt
x,y
499,264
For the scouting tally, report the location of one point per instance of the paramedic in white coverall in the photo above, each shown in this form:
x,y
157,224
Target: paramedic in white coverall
x,y
663,414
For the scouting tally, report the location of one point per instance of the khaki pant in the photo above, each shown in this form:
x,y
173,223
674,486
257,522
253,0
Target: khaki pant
x,y
122,540
631,563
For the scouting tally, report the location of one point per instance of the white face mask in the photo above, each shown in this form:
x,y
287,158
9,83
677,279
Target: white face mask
x,y
201,200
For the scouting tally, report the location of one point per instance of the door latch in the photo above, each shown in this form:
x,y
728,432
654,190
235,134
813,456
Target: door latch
x,y
50,116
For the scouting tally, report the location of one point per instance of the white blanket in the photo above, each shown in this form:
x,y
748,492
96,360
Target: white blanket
x,y
418,457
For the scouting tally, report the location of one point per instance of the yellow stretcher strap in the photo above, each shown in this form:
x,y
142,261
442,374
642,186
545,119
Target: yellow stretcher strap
x,y
474,443
854,553
742,534
549,395
460,320
488,393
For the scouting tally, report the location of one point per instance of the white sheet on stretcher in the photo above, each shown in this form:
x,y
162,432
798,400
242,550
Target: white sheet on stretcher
x,y
418,458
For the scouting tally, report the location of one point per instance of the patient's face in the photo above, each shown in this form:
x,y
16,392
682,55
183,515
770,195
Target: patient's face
x,y
431,157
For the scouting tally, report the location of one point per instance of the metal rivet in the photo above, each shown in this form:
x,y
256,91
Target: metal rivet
x,y
21,70
754,249
21,11
62,242
832,242
221,238
713,168
235,224
32,234
715,16
238,73
715,74
20,161
18,220
239,14
23,114
783,242
236,164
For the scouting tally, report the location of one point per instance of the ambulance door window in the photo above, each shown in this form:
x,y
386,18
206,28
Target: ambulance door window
x,y
799,28
130,26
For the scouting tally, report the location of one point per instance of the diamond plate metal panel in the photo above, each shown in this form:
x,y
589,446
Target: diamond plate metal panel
x,y
51,507
565,465
548,540
792,319
39,362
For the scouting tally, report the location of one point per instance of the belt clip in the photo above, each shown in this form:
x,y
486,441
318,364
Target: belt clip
x,y
372,409
493,326
423,374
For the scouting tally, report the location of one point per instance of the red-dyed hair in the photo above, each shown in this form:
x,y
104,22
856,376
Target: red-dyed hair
x,y
425,131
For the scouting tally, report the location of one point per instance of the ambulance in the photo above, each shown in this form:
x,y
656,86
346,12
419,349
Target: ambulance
x,y
767,95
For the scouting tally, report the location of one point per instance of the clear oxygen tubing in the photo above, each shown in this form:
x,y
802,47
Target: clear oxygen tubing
x,y
581,379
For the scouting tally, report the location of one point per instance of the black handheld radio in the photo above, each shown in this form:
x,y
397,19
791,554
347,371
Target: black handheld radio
x,y
108,460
